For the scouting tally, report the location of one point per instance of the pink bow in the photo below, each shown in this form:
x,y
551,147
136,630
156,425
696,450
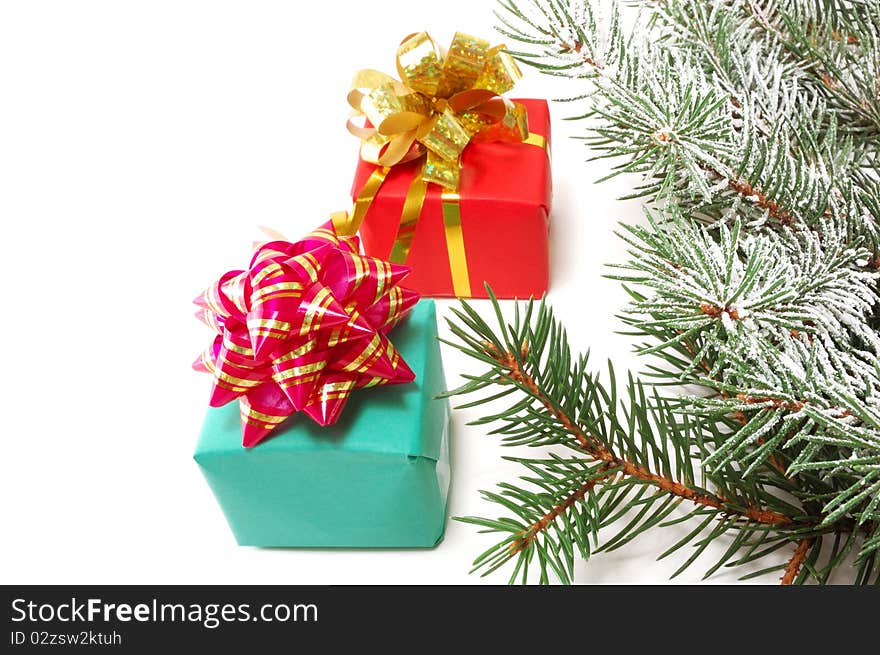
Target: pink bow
x,y
301,328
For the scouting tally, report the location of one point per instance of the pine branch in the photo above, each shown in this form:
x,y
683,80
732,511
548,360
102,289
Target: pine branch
x,y
593,447
841,55
702,105
752,127
620,459
542,524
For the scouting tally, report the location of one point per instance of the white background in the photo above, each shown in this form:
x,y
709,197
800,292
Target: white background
x,y
141,144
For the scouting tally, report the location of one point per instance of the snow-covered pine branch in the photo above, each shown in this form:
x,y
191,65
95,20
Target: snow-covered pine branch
x,y
753,127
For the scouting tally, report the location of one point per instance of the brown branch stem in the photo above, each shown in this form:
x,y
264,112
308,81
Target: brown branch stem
x,y
755,196
774,209
575,47
796,561
536,528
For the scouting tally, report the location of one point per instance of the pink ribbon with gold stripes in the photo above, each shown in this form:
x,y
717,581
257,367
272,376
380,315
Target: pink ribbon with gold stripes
x,y
302,328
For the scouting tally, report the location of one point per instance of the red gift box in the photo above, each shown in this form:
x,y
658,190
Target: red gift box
x,y
504,190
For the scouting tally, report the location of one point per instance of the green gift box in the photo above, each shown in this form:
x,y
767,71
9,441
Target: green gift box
x,y
379,477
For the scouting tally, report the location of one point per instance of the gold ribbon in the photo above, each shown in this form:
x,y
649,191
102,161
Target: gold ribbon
x,y
461,283
441,103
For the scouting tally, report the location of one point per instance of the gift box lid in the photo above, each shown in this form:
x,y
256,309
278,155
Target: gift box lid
x,y
395,419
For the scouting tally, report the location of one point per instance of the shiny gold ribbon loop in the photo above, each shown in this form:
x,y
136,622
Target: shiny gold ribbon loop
x,y
464,64
419,63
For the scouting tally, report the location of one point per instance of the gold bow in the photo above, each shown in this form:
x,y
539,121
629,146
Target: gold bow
x,y
438,107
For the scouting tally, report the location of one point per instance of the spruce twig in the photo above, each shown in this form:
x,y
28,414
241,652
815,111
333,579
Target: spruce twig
x,y
619,458
754,127
595,449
